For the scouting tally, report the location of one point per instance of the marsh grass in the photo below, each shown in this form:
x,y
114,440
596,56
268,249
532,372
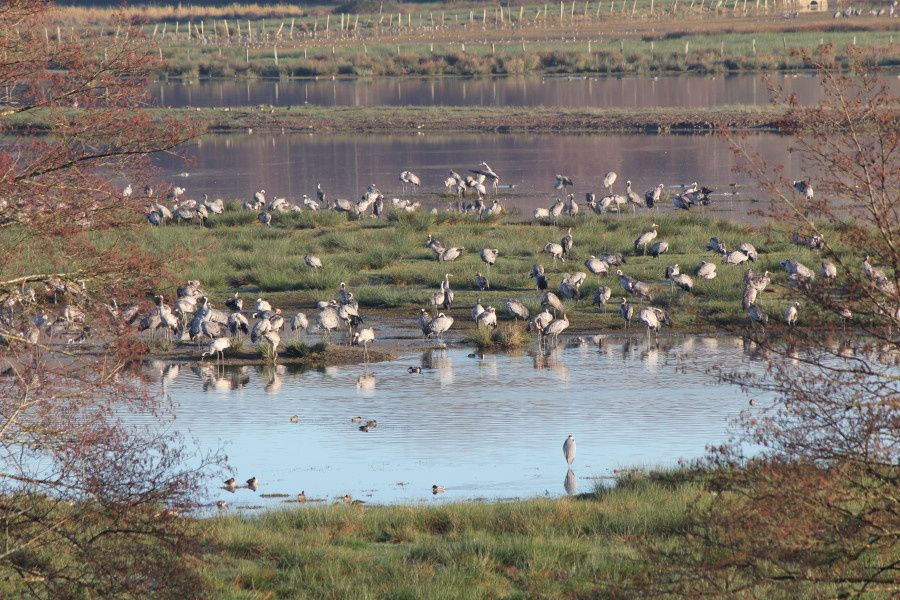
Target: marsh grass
x,y
387,266
536,548
504,337
298,349
267,352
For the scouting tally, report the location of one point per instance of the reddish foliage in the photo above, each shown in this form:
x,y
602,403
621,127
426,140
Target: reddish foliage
x,y
86,499
806,500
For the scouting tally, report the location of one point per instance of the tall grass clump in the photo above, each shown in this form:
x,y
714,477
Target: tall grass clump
x,y
504,337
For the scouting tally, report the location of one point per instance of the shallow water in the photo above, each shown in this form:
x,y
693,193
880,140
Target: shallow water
x,y
489,427
631,92
235,166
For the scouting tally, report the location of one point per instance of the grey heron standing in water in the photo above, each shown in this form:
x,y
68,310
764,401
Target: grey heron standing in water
x,y
569,449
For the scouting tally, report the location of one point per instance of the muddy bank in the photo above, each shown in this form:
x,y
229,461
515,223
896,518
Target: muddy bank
x,y
494,120
318,356
422,119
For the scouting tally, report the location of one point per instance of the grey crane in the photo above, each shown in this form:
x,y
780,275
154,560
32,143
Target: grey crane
x,y
748,249
481,282
804,187
570,288
649,319
409,178
555,250
638,288
760,282
716,245
602,295
238,324
633,198
792,314
489,173
556,327
440,325
320,193
310,204
567,242
608,180
797,269
705,270
328,319
260,328
596,266
569,449
562,182
477,310
216,206
658,248
645,238
273,340
873,273
828,270
557,209
298,323
680,279
627,312
313,261
516,309
487,318
489,257
540,321
734,258
551,300
217,347
757,315
235,302
612,259
572,207
424,320
450,254
363,338
652,197
749,296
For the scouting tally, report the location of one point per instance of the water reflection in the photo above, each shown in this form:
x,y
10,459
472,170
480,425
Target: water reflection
x,y
495,432
626,92
571,483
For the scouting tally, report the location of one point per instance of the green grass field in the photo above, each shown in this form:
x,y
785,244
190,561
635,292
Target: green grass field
x,y
388,268
646,36
562,548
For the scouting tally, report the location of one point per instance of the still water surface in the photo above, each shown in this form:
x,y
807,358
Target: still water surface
x,y
484,428
571,92
290,165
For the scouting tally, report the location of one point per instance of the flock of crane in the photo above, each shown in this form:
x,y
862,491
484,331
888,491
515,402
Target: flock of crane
x,y
192,317
478,183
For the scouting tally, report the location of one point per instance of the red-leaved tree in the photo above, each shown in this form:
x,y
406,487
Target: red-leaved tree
x,y
89,503
806,500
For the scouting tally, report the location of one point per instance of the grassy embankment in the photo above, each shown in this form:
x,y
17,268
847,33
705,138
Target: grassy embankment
x,y
392,274
569,547
444,40
400,119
